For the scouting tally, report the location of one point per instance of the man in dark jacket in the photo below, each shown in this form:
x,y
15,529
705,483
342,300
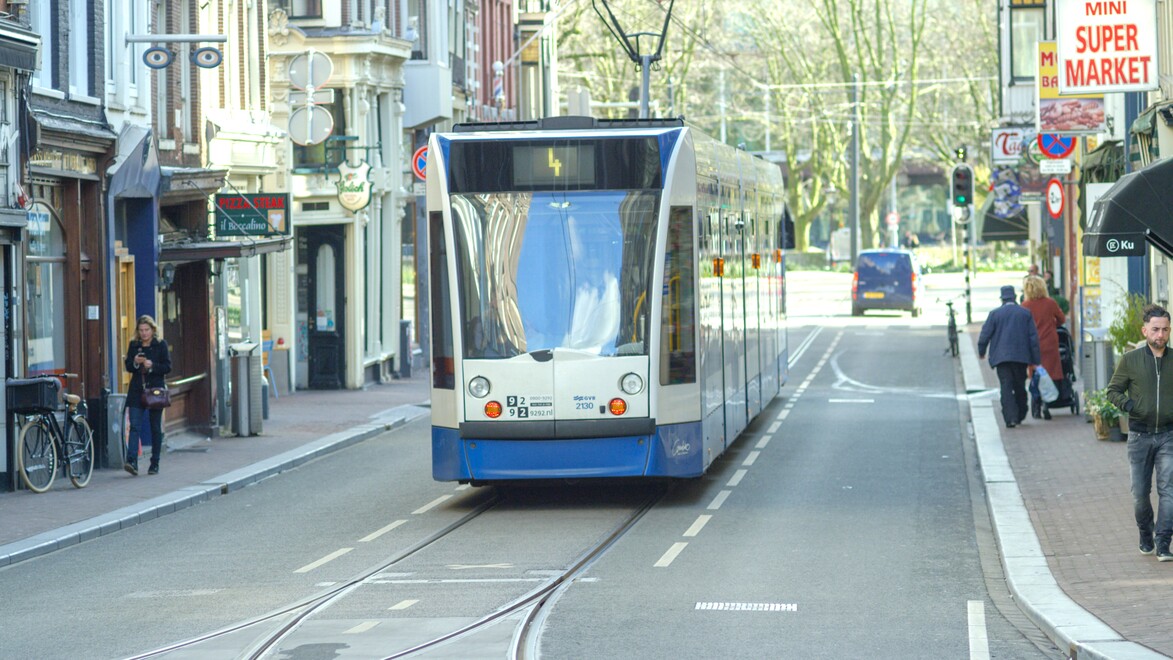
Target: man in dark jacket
x,y
1136,389
1010,334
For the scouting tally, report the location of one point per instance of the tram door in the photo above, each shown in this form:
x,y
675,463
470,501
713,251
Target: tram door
x,y
326,306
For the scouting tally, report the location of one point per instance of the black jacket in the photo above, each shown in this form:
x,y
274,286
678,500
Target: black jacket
x,y
1136,388
160,358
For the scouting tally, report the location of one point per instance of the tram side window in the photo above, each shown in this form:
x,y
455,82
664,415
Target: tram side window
x,y
443,365
678,325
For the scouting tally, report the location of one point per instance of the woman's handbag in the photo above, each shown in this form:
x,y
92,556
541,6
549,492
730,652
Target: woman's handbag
x,y
155,398
1047,388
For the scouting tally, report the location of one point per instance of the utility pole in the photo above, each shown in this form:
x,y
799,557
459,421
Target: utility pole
x,y
853,212
721,103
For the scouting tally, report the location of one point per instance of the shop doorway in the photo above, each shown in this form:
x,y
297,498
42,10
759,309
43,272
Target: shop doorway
x,y
326,309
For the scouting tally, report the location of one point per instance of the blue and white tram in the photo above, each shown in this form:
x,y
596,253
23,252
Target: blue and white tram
x,y
607,298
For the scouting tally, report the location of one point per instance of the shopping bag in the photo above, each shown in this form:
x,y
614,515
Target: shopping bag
x,y
1047,388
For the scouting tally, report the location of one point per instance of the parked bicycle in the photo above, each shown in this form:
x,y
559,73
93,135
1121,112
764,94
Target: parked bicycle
x,y
46,443
952,328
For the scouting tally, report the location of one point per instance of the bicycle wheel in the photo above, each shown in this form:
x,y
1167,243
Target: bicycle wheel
x,y
36,457
79,451
953,341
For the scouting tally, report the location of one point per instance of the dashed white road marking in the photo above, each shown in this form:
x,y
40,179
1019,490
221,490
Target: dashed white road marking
x,y
698,525
774,427
361,628
404,604
749,460
851,400
431,505
377,533
736,478
719,500
785,412
668,557
763,442
979,640
328,558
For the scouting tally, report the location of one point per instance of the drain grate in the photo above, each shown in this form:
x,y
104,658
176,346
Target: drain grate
x,y
749,607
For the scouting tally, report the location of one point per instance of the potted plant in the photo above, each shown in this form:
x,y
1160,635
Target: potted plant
x,y
1104,414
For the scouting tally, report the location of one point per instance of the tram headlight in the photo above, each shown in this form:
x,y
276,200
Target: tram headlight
x,y
493,409
479,387
631,384
618,406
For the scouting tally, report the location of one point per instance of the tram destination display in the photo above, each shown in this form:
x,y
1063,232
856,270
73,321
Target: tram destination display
x,y
538,166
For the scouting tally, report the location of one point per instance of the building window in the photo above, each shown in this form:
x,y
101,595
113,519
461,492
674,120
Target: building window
x,y
303,8
1026,30
45,284
79,48
44,25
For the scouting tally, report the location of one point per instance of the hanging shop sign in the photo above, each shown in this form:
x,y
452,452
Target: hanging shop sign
x,y
354,186
254,214
1106,47
1006,145
1067,113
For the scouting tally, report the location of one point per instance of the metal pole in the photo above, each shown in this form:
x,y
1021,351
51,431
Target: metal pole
x,y
854,210
968,265
645,88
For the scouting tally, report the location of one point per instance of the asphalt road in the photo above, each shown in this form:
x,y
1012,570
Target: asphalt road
x,y
845,523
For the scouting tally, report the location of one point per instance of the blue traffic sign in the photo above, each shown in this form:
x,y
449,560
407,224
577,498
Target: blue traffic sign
x,y
1056,146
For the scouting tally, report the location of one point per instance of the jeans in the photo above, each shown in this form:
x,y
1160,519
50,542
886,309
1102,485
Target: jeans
x,y
1146,452
155,419
1012,379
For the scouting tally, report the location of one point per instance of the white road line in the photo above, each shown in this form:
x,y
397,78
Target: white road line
x,y
774,427
719,500
736,478
851,400
979,640
784,413
463,487
431,505
376,534
763,442
698,525
749,460
361,628
328,558
672,553
404,604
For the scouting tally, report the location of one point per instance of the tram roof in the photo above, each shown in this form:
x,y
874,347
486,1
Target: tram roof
x,y
573,123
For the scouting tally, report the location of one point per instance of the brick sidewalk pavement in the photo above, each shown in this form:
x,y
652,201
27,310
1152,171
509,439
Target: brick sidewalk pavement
x,y
1076,490
308,422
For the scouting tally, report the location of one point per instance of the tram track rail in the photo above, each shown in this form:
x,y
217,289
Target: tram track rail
x,y
306,608
534,606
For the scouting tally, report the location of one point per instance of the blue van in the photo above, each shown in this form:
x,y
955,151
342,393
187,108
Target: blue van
x,y
886,279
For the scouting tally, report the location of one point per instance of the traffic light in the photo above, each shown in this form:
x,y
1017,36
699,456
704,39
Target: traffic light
x,y
962,185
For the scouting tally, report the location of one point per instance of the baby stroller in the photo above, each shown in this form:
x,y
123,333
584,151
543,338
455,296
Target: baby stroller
x,y
1066,384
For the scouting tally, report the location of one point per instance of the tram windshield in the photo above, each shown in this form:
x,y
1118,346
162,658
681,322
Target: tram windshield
x,y
543,270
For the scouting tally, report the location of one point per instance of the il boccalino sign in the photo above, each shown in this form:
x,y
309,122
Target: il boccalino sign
x,y
254,214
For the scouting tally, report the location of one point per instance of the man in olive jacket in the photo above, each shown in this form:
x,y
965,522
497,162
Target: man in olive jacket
x,y
1136,388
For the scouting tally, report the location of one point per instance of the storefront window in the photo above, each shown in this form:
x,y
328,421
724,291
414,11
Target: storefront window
x,y
234,309
45,292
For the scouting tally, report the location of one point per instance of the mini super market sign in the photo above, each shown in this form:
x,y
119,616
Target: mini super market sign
x,y
256,214
1106,46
